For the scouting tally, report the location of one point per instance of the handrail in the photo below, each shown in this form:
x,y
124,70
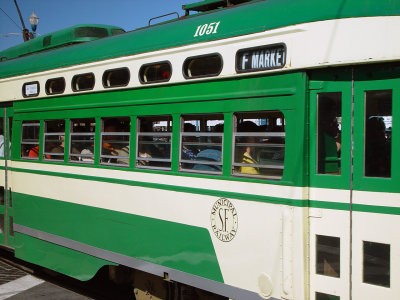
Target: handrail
x,y
163,16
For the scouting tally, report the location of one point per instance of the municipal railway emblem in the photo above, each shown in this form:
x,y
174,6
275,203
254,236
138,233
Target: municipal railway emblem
x,y
224,220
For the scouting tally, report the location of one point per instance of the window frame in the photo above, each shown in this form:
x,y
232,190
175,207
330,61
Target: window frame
x,y
117,133
199,57
80,155
235,134
104,79
44,154
153,64
198,133
33,124
47,86
29,83
150,134
73,83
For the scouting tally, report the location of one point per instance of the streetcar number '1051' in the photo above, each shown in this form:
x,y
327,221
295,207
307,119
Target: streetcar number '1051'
x,y
207,29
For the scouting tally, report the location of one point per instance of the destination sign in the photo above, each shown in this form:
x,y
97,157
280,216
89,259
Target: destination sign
x,y
261,58
30,89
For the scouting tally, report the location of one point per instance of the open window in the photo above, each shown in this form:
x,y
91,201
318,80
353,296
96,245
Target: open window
x,y
154,135
30,140
115,138
54,139
259,144
201,143
82,140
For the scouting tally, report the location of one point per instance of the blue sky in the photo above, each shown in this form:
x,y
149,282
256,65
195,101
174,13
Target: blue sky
x,y
59,14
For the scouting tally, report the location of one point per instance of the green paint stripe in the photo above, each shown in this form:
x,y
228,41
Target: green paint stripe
x,y
356,207
330,205
232,195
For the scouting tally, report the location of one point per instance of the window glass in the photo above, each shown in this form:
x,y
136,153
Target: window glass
x,y
82,140
1,224
95,32
376,264
158,72
2,195
202,66
116,77
10,122
201,143
54,137
154,136
83,82
55,86
329,133
2,141
30,139
259,144
11,228
378,133
323,296
328,256
116,31
47,41
10,197
115,137
31,89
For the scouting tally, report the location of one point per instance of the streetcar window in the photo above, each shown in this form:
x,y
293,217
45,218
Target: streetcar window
x,y
9,129
328,256
47,41
30,140
157,72
2,195
1,223
116,77
2,137
115,137
376,263
117,31
83,82
323,296
31,89
202,66
201,143
96,32
378,133
154,136
329,107
259,144
55,86
11,223
54,137
82,140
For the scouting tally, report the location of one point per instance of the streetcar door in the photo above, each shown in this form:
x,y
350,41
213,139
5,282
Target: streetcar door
x,y
6,211
376,183
329,193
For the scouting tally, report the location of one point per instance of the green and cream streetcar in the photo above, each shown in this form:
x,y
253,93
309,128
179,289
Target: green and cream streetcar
x,y
246,150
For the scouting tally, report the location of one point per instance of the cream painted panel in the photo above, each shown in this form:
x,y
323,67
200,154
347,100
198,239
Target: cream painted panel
x,y
377,228
339,42
376,198
183,181
330,223
257,235
329,195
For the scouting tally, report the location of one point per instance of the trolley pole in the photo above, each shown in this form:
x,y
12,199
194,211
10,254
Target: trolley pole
x,y
25,32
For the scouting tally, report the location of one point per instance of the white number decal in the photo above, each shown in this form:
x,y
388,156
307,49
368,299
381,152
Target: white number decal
x,y
207,29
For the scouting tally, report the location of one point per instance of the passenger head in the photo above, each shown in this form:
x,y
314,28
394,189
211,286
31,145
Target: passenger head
x,y
189,127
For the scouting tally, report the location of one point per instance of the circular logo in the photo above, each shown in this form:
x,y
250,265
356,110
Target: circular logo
x,y
224,220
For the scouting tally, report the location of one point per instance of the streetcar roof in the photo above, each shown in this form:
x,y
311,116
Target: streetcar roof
x,y
250,17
